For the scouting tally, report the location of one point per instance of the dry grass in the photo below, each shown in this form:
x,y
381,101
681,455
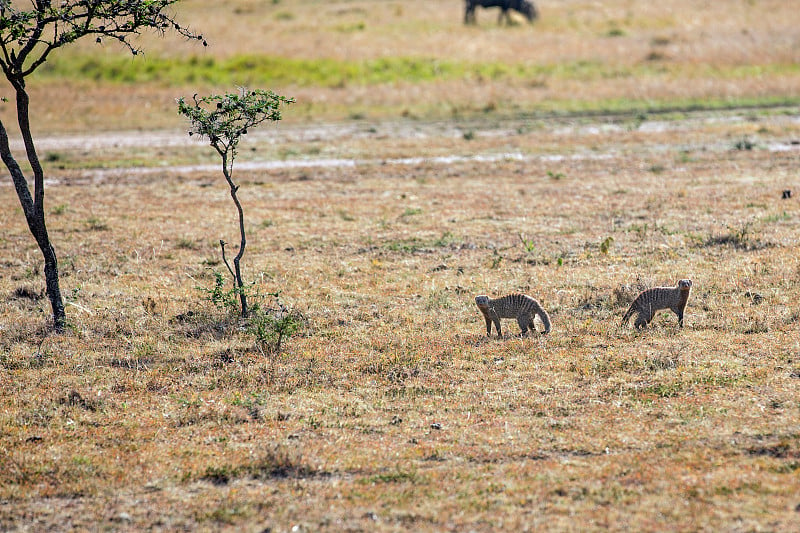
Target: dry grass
x,y
608,55
392,410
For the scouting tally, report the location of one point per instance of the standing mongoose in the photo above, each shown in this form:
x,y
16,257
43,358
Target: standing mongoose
x,y
651,300
517,306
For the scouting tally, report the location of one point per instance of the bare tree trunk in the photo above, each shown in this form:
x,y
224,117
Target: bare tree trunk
x,y
243,242
33,207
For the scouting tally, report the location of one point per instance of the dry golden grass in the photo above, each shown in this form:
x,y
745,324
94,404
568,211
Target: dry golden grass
x,y
392,410
604,55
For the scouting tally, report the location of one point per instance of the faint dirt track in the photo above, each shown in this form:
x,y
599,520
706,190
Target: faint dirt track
x,y
391,131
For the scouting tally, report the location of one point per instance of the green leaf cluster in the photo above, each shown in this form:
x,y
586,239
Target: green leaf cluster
x,y
27,37
223,119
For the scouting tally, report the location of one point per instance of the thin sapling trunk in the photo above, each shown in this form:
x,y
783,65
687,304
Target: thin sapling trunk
x,y
237,269
224,120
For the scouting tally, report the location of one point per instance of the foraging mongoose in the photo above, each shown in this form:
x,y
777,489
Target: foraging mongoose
x,y
517,306
651,300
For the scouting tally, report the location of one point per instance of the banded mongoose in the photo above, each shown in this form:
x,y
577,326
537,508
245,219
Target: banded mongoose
x,y
651,300
517,306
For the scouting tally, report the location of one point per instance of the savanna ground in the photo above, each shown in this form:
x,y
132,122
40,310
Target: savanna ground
x,y
381,221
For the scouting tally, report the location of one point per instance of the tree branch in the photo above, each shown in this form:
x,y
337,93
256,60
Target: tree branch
x,y
74,19
225,260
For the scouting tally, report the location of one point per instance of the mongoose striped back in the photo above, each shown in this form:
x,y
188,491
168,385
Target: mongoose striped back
x,y
517,306
657,298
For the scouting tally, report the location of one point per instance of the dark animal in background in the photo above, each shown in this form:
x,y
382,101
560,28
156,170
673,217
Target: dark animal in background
x,y
526,8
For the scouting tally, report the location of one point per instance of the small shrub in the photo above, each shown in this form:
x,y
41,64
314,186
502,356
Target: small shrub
x,y
496,259
95,224
740,238
270,326
269,321
605,246
221,298
274,463
529,244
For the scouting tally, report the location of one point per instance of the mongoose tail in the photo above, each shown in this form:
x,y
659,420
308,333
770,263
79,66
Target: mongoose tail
x,y
545,318
628,314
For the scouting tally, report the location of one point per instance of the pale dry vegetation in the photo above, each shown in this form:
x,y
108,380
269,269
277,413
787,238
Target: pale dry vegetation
x,y
391,409
578,56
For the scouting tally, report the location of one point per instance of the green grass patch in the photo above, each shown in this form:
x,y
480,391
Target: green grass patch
x,y
255,70
325,72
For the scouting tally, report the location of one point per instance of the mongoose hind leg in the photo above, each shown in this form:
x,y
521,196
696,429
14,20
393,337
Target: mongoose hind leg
x,y
523,322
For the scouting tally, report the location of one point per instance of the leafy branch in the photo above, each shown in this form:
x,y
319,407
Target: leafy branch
x,y
28,36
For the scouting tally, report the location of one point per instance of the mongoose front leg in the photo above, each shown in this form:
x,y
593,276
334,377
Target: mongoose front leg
x,y
497,326
488,326
496,319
